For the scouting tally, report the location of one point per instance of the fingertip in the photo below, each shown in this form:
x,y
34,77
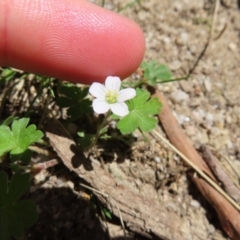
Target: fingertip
x,y
71,40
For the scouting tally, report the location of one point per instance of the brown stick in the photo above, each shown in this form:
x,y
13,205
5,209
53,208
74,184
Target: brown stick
x,y
220,174
228,215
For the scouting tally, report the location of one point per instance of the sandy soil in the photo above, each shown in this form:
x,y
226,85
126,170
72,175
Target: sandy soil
x,y
206,106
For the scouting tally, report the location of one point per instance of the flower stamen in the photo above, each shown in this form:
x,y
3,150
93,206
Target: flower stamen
x,y
111,97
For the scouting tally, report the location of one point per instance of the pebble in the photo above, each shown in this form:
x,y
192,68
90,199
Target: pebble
x,y
182,39
195,102
191,130
209,118
204,137
215,131
232,46
186,86
195,203
157,159
179,96
211,229
175,65
207,85
177,6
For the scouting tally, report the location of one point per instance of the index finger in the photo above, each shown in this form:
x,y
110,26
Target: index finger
x,y
68,39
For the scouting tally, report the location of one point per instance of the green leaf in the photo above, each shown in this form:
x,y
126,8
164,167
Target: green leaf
x,y
24,157
15,216
74,98
8,74
85,139
3,188
107,213
25,212
154,72
19,138
141,111
9,120
17,187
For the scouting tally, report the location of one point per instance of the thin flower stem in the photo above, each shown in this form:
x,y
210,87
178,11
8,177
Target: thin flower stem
x,y
100,127
174,80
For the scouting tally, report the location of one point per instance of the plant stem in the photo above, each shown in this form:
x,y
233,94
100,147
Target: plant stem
x,y
100,127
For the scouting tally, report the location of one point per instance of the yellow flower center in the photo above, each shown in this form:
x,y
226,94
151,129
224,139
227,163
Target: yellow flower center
x,y
111,97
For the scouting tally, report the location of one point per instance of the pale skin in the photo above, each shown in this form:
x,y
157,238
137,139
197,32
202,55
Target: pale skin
x,y
72,40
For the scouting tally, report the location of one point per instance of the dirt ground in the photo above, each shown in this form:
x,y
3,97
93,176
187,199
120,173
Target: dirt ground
x,y
206,106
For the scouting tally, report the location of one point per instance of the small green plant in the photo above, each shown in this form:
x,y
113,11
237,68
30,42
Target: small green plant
x,y
18,138
127,103
74,99
129,5
141,112
133,108
154,73
7,75
15,214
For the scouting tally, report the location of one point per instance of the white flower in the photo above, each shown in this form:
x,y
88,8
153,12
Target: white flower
x,y
110,97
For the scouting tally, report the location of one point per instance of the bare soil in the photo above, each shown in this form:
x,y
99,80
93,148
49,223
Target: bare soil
x,y
207,108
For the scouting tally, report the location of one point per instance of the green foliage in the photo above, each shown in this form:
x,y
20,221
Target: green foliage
x,y
24,157
129,5
74,98
9,120
141,111
7,74
107,213
154,72
18,138
15,215
84,139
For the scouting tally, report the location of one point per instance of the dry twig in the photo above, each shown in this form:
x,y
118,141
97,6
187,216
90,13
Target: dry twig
x,y
220,174
228,215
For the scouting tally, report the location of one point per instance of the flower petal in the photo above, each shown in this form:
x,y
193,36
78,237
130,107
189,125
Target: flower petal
x,y
100,106
113,83
126,94
120,109
98,90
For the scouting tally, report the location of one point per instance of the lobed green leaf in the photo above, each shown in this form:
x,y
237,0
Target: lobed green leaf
x,y
74,98
17,140
154,72
141,111
15,216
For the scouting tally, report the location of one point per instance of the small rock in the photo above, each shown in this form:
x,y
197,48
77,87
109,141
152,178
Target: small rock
x,y
179,96
204,137
209,118
195,102
175,65
229,144
174,187
207,85
157,159
191,130
215,131
177,6
211,229
232,46
182,38
166,39
186,86
195,203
